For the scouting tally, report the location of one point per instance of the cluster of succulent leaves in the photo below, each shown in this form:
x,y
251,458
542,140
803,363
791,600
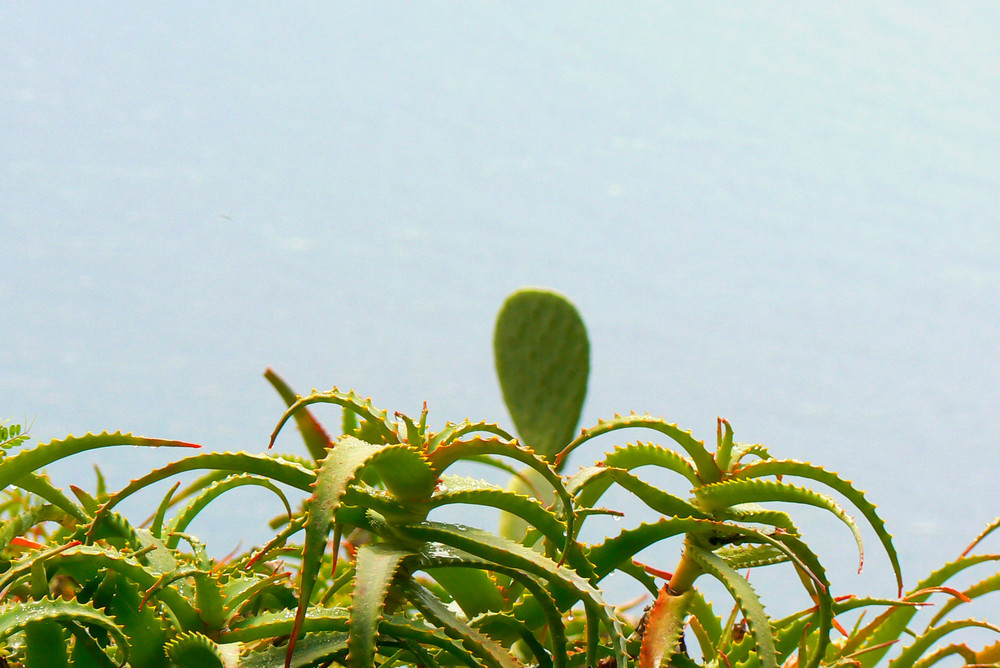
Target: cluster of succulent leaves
x,y
360,575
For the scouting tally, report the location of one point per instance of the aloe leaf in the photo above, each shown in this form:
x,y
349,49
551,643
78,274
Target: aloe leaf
x,y
194,650
724,448
28,518
92,557
503,551
375,569
341,467
745,597
275,624
454,431
459,489
742,557
21,615
208,598
41,487
312,431
613,552
478,644
45,645
86,652
837,484
824,601
144,625
312,650
755,514
607,556
634,455
742,450
926,640
277,469
28,461
239,590
499,623
658,500
542,360
990,528
377,418
443,563
707,470
414,434
940,653
445,456
892,624
216,489
156,525
664,628
710,624
987,586
737,491
89,503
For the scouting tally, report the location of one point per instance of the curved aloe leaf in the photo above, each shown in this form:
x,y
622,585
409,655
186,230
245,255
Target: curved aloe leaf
x,y
836,483
377,418
342,466
610,554
275,468
445,456
745,597
990,528
459,489
455,431
488,652
196,505
28,461
442,562
502,551
987,586
274,624
27,519
892,624
926,640
375,569
658,500
707,470
41,487
312,650
17,617
194,650
634,455
607,556
312,431
542,359
755,514
734,491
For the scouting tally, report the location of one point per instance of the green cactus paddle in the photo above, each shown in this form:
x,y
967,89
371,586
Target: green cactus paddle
x,y
543,358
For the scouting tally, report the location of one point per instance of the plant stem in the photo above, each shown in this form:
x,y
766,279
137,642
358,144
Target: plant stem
x,y
685,574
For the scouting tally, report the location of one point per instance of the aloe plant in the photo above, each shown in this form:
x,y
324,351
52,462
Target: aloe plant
x,y
362,574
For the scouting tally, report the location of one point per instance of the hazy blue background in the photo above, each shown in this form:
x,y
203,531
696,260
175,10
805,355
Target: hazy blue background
x,y
783,215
